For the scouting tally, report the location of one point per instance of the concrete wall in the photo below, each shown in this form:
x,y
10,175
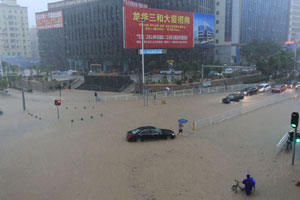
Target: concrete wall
x,y
38,86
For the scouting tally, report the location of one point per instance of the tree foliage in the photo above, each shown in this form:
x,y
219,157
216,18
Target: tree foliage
x,y
269,57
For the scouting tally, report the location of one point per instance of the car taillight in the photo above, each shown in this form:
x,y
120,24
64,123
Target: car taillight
x,y
129,136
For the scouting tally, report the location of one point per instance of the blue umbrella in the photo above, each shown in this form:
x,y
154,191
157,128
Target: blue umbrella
x,y
182,121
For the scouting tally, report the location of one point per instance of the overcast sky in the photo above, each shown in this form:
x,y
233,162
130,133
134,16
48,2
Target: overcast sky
x,y
33,7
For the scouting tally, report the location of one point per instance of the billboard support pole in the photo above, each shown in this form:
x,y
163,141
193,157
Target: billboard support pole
x,y
143,60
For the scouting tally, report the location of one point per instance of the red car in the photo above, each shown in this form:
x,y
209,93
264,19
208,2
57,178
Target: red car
x,y
278,88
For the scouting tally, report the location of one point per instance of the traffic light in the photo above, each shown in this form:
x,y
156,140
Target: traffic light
x,y
294,120
298,138
57,102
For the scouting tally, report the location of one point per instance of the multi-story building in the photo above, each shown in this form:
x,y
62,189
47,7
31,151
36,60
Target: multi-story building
x,y
92,33
239,22
34,44
14,32
294,21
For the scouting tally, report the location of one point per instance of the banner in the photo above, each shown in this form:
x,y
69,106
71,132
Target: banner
x,y
49,20
204,30
162,28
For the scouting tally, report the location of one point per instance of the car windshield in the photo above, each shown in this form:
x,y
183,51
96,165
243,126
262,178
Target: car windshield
x,y
148,99
277,86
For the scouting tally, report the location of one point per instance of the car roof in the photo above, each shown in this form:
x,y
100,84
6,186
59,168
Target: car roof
x,y
146,127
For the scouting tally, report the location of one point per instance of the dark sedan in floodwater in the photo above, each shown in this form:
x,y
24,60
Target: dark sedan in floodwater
x,y
249,91
149,133
232,97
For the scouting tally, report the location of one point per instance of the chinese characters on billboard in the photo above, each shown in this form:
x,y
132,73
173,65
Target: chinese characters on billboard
x,y
162,28
49,20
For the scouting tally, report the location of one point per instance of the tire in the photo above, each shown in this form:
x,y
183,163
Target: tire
x,y
139,140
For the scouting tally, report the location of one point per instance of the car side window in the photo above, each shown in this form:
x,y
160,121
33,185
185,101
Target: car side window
x,y
155,131
146,132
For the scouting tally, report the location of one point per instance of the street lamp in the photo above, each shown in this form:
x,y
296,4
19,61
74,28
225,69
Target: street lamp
x,y
143,60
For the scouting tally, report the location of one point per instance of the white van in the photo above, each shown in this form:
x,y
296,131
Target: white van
x,y
264,87
228,71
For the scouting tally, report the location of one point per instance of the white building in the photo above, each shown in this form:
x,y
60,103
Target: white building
x,y
14,32
227,30
294,21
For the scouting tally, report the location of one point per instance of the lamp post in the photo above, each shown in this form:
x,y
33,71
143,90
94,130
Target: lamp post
x,y
143,59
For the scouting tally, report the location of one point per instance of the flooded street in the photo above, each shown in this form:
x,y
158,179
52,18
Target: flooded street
x,y
89,158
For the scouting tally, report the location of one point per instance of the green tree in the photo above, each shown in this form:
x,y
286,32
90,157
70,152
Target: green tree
x,y
184,66
257,49
151,65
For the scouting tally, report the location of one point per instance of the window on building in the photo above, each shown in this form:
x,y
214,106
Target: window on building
x,y
217,41
217,21
217,31
217,13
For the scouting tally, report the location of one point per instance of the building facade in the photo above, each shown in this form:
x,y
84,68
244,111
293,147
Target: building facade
x,y
93,35
14,32
294,21
34,44
241,21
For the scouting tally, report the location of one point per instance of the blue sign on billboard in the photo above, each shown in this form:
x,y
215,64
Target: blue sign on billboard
x,y
153,51
204,29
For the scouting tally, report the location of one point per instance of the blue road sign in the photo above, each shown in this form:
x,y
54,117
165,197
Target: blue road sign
x,y
153,51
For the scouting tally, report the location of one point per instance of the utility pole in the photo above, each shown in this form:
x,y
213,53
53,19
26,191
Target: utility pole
x,y
23,95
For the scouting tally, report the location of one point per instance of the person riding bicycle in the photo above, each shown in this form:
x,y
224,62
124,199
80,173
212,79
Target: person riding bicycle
x,y
249,183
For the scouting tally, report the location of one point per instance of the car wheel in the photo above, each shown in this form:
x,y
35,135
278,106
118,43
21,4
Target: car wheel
x,y
139,140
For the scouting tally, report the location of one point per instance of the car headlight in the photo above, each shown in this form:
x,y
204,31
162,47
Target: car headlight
x,y
245,92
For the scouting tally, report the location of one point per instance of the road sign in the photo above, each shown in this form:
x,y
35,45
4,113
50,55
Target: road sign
x,y
153,51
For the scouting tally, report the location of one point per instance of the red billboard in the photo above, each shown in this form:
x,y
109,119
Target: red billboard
x,y
162,28
49,20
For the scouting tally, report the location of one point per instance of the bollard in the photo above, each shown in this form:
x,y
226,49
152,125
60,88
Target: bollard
x,y
92,117
81,119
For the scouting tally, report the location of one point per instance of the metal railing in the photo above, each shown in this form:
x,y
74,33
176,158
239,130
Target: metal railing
x,y
177,93
241,110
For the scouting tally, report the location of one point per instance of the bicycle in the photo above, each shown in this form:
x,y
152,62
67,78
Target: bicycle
x,y
236,186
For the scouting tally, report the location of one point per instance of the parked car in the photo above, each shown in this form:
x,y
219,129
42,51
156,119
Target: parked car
x,y
264,87
149,133
171,71
291,85
297,86
228,71
278,88
249,91
232,97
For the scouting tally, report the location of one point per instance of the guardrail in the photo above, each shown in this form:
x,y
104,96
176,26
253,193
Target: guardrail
x,y
239,111
176,93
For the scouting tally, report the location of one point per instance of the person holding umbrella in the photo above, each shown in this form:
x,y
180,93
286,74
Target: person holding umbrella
x,y
180,125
